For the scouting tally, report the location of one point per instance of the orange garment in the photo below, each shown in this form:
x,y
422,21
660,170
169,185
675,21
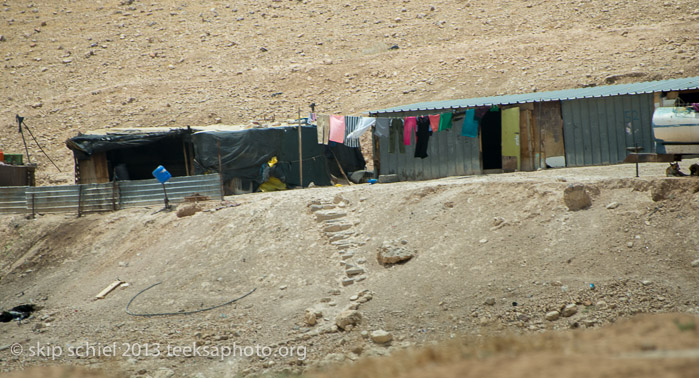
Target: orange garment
x,y
434,122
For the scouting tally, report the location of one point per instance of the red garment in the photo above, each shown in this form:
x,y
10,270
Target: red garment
x,y
409,128
434,122
337,128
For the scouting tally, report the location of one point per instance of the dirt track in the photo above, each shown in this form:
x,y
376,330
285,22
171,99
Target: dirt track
x,y
481,243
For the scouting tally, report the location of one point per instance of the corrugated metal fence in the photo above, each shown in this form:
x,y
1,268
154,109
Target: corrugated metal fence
x,y
88,198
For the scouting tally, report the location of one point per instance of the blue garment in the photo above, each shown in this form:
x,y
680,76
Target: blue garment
x,y
470,125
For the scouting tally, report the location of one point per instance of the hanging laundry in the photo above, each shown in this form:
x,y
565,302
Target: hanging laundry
x,y
424,130
351,124
337,128
322,127
434,122
364,124
382,125
395,135
409,128
470,125
445,121
481,111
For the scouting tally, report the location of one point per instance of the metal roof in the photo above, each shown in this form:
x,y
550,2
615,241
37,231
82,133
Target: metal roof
x,y
566,94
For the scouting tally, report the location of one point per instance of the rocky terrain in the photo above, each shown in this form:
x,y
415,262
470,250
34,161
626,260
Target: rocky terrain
x,y
73,66
348,273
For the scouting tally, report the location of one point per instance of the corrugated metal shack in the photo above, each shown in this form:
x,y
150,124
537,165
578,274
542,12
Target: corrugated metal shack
x,y
566,128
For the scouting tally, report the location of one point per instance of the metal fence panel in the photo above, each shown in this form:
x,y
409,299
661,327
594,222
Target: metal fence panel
x,y
13,199
88,198
150,192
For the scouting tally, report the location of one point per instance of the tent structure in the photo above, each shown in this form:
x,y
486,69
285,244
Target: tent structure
x,y
240,154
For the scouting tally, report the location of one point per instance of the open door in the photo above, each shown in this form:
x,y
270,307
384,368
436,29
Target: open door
x,y
510,140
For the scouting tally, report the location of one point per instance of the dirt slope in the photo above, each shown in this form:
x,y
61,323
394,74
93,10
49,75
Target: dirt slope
x,y
72,66
493,255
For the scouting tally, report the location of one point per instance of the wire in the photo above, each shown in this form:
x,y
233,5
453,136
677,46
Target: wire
x,y
42,150
179,313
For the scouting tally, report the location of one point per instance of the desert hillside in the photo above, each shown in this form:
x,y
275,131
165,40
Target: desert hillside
x,y
73,66
483,256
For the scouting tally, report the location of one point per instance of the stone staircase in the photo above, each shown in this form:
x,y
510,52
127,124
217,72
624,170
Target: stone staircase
x,y
338,226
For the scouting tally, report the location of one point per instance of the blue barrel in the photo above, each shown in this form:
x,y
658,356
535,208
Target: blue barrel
x,y
161,174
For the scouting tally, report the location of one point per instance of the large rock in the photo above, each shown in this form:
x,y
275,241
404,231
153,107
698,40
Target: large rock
x,y
576,197
348,318
569,310
390,253
552,316
381,337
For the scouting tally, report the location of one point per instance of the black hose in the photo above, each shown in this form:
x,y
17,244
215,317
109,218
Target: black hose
x,y
183,312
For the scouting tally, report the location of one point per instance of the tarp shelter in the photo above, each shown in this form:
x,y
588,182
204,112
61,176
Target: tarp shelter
x,y
134,153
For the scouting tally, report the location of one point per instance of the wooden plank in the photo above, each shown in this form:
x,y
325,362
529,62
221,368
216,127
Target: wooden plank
x,y
108,289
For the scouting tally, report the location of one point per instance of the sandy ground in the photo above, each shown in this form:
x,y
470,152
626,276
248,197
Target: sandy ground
x,y
493,256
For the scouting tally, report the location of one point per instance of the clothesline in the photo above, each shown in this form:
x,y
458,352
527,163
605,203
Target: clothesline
x,y
348,129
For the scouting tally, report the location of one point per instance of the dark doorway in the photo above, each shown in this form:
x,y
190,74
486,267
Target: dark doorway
x,y
138,163
491,139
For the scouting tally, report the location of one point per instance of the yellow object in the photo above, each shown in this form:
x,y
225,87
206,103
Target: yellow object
x,y
510,134
338,185
272,162
272,185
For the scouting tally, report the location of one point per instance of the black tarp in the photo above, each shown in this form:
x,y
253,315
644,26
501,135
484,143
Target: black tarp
x,y
244,152
86,145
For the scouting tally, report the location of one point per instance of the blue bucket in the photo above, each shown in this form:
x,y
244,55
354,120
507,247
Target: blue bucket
x,y
161,174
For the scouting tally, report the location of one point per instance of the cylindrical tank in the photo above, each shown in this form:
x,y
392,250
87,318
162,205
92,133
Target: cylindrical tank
x,y
676,130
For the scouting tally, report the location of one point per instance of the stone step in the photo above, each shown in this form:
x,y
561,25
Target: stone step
x,y
325,215
347,281
335,236
324,206
335,226
354,271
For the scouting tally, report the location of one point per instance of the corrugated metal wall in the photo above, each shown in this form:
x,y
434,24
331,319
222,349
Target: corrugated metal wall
x,y
150,192
450,154
595,129
88,198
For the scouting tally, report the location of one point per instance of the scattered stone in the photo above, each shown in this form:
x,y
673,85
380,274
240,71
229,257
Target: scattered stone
x,y
381,337
389,253
552,316
283,287
354,298
576,197
629,244
483,241
347,318
490,301
646,282
2,38
37,105
311,316
613,205
569,310
602,305
347,281
188,210
334,292
695,263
